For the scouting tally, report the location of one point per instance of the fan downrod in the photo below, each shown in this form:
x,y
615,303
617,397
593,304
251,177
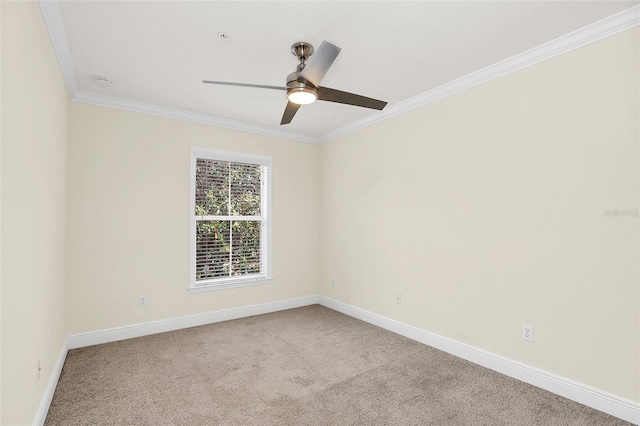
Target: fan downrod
x,y
302,50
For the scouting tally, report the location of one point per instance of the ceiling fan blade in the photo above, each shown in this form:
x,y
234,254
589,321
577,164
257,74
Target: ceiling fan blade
x,y
319,63
333,95
289,112
258,86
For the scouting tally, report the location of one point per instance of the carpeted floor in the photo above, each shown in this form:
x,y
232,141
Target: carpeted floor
x,y
306,366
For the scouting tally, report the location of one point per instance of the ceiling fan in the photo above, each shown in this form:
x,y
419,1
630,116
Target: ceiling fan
x,y
303,85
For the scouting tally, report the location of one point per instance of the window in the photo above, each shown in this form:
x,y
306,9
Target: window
x,y
230,220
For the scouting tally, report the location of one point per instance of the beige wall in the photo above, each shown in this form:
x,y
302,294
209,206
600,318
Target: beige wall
x,y
0,220
34,133
486,211
128,231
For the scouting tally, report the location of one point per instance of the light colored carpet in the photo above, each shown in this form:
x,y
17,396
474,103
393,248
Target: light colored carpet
x,y
306,366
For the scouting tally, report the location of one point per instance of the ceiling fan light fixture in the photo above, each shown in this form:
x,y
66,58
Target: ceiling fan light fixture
x,y
303,85
302,95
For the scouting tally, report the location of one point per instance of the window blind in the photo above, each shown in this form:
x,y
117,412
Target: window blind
x,y
228,219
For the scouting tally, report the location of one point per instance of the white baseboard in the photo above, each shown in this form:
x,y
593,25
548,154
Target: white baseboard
x,y
43,409
600,400
137,330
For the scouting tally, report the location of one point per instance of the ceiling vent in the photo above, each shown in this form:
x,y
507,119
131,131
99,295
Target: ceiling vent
x,y
101,81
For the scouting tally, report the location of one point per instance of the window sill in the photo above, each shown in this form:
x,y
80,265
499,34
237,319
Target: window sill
x,y
230,284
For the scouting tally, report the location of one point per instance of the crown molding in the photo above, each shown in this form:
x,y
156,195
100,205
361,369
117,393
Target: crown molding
x,y
55,25
58,34
599,30
194,117
606,27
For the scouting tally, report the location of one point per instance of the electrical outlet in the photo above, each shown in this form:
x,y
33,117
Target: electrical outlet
x,y
333,282
38,370
142,301
527,332
399,298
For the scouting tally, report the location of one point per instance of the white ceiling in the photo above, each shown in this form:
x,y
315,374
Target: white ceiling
x,y
159,52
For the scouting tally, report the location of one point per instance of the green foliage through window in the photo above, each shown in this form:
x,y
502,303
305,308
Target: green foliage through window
x,y
227,246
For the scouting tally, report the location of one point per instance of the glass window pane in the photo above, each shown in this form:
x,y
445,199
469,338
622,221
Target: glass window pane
x,y
212,249
246,247
245,189
212,188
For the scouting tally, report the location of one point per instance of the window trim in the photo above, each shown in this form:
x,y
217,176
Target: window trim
x,y
266,252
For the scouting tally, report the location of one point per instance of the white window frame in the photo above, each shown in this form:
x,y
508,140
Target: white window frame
x,y
265,276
